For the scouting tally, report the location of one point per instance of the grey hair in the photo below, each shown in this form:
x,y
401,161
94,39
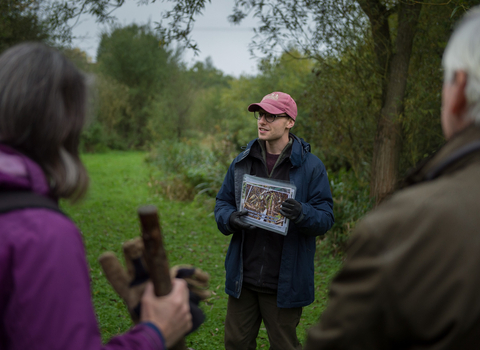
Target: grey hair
x,y
43,99
463,53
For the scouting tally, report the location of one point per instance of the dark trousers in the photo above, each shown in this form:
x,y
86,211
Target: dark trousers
x,y
244,316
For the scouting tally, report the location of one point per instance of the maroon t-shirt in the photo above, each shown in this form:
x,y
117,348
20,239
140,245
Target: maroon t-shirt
x,y
271,160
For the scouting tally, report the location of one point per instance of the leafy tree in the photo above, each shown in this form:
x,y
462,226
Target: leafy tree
x,y
348,96
140,67
422,132
189,107
20,21
207,84
147,94
205,75
174,107
342,97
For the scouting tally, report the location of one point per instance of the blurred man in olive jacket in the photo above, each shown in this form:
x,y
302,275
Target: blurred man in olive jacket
x,y
411,279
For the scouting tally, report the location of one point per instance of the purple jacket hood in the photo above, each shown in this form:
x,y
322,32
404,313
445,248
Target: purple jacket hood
x,y
18,172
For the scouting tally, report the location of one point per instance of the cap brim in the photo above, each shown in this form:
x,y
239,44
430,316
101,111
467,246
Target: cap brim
x,y
266,107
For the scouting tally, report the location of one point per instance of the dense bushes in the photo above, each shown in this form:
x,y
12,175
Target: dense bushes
x,y
351,201
187,168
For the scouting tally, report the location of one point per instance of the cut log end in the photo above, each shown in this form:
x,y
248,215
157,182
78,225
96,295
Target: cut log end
x,y
147,210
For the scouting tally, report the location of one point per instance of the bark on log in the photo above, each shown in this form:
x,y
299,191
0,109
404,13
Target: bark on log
x,y
156,256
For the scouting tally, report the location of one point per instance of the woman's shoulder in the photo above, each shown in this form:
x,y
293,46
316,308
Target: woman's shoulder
x,y
39,229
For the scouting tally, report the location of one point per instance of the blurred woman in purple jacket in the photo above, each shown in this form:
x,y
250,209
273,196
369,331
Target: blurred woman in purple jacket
x,y
45,298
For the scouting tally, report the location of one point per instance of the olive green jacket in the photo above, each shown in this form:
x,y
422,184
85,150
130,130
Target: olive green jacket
x,y
411,278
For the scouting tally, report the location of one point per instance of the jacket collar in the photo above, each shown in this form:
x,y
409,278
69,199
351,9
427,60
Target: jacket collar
x,y
454,155
261,151
300,150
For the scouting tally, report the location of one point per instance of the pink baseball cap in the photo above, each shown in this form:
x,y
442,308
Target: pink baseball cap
x,y
276,103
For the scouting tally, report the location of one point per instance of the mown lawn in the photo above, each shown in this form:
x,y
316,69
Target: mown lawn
x,y
120,183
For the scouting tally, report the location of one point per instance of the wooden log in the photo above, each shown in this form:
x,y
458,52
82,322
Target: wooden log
x,y
156,256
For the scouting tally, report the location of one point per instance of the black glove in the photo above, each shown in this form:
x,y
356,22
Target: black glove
x,y
197,284
238,224
291,209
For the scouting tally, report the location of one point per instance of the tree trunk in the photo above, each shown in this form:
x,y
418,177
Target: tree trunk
x,y
386,151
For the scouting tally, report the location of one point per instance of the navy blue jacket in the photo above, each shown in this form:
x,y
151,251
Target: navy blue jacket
x,y
296,277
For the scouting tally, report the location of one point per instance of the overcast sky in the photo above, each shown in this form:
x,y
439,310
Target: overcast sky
x,y
225,43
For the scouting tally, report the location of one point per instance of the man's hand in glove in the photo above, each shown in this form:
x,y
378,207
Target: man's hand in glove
x,y
291,209
130,284
237,224
197,280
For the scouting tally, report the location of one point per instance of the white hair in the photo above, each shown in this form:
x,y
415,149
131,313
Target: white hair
x,y
463,53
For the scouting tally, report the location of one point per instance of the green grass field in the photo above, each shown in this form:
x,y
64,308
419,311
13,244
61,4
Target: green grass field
x,y
120,183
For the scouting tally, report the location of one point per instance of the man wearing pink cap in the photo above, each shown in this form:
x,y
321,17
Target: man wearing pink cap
x,y
270,276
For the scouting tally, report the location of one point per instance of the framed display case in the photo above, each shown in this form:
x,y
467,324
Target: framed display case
x,y
262,198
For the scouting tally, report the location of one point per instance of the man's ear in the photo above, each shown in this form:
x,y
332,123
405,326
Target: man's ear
x,y
459,98
290,123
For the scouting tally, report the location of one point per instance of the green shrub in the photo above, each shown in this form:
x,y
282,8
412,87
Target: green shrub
x,y
351,200
93,139
187,169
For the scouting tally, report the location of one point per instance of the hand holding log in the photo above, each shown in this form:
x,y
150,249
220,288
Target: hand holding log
x,y
144,255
